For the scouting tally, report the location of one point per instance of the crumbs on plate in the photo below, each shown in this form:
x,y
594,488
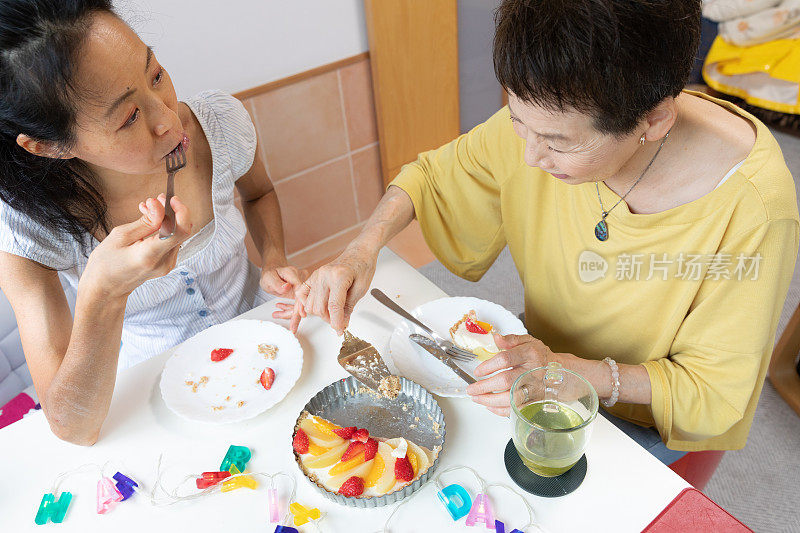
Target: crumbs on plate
x,y
189,383
269,351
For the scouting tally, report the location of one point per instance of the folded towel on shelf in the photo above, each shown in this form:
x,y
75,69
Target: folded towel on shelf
x,y
779,22
722,10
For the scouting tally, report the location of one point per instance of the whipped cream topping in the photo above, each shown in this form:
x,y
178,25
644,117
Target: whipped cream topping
x,y
401,450
472,341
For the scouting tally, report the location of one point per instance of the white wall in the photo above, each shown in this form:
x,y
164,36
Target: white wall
x,y
238,44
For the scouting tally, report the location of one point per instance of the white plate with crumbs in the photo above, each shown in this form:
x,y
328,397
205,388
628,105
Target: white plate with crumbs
x,y
227,386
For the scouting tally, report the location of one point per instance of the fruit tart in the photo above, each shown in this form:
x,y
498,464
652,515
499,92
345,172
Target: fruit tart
x,y
351,462
474,336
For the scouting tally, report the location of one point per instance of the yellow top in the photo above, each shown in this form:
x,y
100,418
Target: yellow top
x,y
694,293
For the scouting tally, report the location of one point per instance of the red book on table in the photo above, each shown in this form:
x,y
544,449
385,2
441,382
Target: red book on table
x,y
690,511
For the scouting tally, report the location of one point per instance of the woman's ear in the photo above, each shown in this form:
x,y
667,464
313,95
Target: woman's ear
x,y
42,148
659,121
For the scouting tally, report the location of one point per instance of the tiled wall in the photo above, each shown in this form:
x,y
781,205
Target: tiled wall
x,y
318,138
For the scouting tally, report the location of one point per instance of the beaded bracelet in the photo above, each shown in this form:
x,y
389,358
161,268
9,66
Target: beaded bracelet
x,y
614,382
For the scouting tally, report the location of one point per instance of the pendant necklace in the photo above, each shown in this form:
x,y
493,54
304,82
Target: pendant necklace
x,y
601,229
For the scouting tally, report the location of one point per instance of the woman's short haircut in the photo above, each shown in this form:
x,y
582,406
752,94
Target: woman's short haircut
x,y
613,59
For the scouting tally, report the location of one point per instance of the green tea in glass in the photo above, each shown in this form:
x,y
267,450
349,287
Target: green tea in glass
x,y
552,410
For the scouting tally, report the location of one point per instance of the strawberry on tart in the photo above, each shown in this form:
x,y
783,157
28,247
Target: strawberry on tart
x,y
350,462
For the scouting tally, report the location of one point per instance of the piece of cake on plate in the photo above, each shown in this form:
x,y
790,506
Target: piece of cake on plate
x,y
474,336
349,461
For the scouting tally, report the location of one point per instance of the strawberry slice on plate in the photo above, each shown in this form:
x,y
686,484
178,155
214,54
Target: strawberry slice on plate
x,y
220,353
267,378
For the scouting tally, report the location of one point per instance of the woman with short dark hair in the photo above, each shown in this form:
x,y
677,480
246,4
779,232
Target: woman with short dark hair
x,y
655,230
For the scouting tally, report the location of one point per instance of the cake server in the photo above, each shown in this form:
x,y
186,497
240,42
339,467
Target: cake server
x,y
362,361
430,346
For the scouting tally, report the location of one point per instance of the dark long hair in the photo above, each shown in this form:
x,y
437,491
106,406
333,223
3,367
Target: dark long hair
x,y
39,45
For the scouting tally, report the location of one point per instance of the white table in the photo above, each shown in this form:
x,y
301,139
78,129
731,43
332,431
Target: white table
x,y
625,487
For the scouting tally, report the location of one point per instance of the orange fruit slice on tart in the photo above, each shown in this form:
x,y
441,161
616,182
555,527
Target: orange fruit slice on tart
x,y
359,466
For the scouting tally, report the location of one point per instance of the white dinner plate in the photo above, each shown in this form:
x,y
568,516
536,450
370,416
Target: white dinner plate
x,y
232,390
414,363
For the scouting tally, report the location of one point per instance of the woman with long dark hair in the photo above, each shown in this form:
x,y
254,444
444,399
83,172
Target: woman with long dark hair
x,y
87,117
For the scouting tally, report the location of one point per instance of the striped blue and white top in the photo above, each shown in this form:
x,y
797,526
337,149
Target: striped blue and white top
x,y
212,284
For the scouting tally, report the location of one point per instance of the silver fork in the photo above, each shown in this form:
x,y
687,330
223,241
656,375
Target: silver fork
x,y
458,354
176,160
450,349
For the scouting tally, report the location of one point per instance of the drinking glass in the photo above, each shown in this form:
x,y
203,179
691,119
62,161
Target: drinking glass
x,y
552,410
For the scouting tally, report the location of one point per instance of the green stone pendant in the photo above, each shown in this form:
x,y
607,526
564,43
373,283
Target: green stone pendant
x,y
601,230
